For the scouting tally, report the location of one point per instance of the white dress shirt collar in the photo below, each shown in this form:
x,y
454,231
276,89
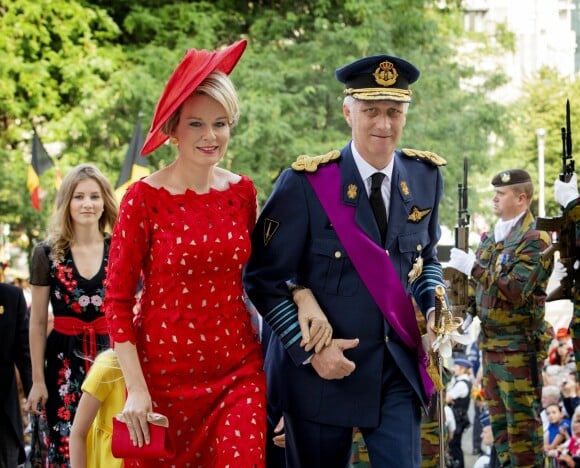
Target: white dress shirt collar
x,y
366,170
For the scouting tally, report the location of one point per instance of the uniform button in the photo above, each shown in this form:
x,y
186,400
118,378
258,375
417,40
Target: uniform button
x,y
387,339
337,254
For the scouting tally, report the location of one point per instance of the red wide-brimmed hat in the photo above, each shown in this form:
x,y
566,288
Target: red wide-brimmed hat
x,y
195,67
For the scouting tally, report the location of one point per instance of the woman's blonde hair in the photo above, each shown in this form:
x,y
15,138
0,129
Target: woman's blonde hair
x,y
60,231
218,86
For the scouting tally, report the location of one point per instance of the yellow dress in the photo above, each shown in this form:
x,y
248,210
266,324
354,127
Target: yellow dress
x,y
105,382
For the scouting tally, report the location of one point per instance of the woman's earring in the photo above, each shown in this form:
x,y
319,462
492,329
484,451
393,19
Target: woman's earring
x,y
174,141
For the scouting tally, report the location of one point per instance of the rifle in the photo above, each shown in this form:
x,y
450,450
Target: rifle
x,y
458,292
563,228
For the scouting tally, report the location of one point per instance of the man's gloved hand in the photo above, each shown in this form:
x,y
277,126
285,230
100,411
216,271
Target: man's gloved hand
x,y
315,327
565,192
462,261
559,272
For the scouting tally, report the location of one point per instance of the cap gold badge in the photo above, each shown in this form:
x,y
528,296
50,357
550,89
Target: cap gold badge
x,y
351,192
386,74
505,177
1,309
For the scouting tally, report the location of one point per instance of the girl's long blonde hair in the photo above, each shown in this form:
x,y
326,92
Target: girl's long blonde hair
x,y
61,234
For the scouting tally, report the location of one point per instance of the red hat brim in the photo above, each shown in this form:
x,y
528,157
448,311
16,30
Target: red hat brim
x,y
195,67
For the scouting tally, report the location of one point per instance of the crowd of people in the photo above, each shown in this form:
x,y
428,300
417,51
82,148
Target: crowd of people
x,y
154,303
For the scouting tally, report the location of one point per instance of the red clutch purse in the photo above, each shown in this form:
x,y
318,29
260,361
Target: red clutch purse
x,y
161,445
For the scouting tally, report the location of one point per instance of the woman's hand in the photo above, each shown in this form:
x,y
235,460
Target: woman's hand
x,y
315,327
134,415
36,398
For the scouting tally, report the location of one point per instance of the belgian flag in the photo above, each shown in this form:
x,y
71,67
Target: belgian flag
x,y
135,165
40,162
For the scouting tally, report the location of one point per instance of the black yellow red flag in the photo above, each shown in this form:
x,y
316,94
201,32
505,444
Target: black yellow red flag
x,y
40,162
135,165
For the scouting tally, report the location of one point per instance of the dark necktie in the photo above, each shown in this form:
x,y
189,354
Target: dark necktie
x,y
378,204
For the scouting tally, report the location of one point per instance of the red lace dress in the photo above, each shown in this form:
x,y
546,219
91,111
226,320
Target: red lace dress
x,y
199,354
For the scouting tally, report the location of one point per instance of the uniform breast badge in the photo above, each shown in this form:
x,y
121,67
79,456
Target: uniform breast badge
x,y
1,309
417,215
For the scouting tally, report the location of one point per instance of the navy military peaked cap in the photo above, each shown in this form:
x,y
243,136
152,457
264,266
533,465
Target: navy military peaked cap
x,y
510,177
378,78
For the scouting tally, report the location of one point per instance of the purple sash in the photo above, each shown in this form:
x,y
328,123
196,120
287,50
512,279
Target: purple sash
x,y
372,264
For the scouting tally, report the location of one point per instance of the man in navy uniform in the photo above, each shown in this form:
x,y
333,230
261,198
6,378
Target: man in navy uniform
x,y
15,355
353,231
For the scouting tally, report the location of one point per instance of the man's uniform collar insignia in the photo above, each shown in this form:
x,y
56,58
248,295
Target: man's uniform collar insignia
x,y
404,188
417,215
351,191
305,163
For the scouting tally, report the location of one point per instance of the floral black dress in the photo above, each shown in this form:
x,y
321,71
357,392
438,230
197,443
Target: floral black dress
x,y
79,334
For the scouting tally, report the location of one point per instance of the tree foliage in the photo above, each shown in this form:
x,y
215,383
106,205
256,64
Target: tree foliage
x,y
82,70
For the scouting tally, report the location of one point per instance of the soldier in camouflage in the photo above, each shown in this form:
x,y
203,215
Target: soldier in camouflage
x,y
510,278
566,194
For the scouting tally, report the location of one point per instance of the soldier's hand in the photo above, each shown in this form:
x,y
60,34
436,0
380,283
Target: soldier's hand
x,y
565,192
559,272
315,327
462,261
330,363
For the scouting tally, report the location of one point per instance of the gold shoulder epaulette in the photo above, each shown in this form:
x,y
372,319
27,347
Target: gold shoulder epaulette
x,y
433,158
311,163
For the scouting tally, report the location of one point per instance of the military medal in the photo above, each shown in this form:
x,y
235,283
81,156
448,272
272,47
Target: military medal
x,y
501,260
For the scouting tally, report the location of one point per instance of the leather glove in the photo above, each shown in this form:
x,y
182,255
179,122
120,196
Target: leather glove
x,y
315,327
462,261
565,192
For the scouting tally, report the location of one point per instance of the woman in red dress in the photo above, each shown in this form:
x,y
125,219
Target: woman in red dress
x,y
190,352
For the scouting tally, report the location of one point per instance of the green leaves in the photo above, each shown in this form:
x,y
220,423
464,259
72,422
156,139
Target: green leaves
x,y
81,71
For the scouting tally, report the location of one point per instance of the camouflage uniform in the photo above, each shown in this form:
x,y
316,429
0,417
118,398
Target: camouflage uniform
x,y
573,209
510,278
430,436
